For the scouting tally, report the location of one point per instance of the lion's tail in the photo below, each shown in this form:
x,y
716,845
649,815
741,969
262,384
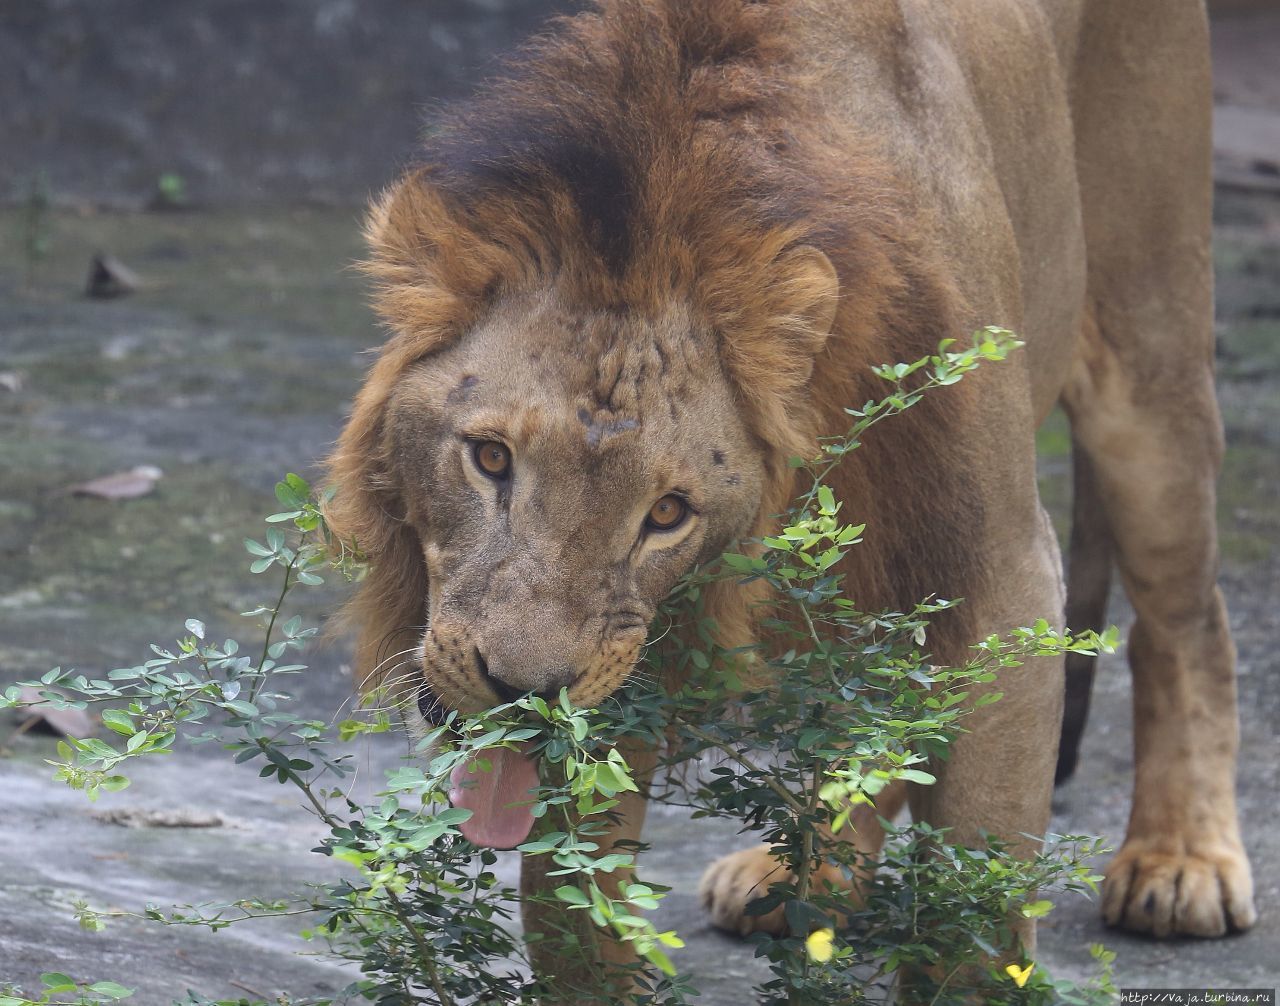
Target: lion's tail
x,y
1088,584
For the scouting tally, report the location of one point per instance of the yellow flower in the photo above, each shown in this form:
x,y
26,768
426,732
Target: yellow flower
x,y
1019,975
818,945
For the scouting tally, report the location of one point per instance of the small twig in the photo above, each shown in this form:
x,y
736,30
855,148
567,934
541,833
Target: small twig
x,y
266,642
424,951
945,982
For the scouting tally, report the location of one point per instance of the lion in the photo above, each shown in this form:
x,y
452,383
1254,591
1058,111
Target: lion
x,y
632,277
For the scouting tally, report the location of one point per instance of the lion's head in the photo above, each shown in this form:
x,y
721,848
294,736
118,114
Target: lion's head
x,y
560,469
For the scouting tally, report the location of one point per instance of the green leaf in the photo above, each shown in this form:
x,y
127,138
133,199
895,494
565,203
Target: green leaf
x,y
288,495
254,548
119,721
299,486
111,990
195,627
55,981
661,961
545,844
453,816
572,895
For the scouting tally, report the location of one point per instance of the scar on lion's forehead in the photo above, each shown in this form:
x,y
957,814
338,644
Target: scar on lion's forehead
x,y
603,424
464,391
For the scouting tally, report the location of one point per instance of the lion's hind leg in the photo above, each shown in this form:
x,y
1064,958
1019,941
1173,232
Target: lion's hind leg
x,y
1182,869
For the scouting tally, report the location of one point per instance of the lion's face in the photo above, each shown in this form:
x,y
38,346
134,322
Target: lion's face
x,y
562,471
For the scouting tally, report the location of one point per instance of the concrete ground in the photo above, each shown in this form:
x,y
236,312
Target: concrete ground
x,y
231,366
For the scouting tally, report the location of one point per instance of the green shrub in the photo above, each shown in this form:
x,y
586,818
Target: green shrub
x,y
852,705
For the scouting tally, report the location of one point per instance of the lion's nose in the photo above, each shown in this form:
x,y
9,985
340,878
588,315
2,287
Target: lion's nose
x,y
504,691
507,692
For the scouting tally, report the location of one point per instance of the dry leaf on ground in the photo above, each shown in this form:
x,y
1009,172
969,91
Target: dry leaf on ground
x,y
135,482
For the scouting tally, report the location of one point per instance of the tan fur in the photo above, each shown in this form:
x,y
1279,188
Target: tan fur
x,y
680,226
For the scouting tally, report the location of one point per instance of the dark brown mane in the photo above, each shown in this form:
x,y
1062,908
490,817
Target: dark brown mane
x,y
612,112
659,149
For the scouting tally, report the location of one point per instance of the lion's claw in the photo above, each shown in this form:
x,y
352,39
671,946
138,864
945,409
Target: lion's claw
x,y
1155,887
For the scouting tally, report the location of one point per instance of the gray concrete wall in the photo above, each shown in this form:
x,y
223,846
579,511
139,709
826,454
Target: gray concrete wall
x,y
246,100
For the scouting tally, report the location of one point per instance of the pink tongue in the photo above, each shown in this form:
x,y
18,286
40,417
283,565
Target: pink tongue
x,y
498,799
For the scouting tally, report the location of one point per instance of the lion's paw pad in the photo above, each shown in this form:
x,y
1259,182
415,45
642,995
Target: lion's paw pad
x,y
1153,888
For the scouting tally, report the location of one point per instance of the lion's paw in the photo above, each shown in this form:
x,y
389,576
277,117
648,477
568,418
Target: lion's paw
x,y
1157,886
734,881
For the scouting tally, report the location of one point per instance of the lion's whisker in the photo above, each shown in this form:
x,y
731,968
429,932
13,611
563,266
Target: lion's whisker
x,y
395,687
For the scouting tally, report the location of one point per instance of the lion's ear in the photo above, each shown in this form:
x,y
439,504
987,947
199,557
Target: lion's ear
x,y
773,327
812,291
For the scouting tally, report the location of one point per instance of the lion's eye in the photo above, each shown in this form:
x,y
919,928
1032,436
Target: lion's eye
x,y
492,458
667,514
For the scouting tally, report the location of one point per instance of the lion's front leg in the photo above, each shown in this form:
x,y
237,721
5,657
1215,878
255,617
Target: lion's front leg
x,y
580,963
997,779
